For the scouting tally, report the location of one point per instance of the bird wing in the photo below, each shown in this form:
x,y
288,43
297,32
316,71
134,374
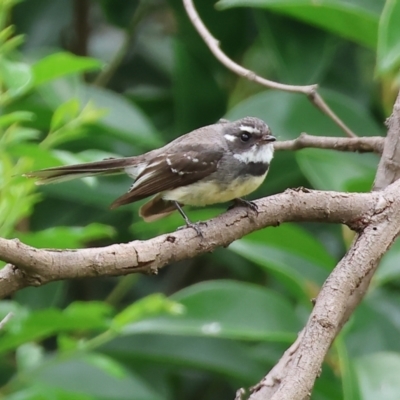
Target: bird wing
x,y
170,171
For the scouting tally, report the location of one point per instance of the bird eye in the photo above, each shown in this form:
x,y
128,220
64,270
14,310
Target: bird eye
x,y
245,137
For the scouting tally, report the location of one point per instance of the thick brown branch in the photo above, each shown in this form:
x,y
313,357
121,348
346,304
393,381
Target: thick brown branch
x,y
33,267
294,375
361,144
213,45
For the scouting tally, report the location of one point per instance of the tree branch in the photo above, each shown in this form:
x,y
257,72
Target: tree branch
x,y
359,144
294,375
214,46
34,267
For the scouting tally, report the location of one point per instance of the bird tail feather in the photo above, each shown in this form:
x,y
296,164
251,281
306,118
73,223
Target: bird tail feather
x,y
69,172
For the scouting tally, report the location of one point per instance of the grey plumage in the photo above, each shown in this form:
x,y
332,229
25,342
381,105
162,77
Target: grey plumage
x,y
213,155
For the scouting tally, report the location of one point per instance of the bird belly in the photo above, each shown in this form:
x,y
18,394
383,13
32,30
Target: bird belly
x,y
211,192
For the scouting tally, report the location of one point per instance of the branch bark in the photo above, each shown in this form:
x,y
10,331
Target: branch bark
x,y
360,144
34,267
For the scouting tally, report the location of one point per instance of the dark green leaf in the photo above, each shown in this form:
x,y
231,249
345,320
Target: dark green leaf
x,y
77,375
291,254
227,357
331,170
226,309
355,20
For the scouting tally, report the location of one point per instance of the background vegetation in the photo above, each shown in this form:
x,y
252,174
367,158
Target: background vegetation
x,y
83,80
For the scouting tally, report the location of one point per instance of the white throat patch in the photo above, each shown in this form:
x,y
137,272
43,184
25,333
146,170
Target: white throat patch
x,y
257,154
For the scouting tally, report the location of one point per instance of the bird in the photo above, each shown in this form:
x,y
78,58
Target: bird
x,y
213,164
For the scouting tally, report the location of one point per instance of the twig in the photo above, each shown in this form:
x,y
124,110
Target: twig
x,y
214,46
359,144
319,102
6,319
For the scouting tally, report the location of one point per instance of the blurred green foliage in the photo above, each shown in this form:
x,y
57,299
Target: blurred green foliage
x,y
204,327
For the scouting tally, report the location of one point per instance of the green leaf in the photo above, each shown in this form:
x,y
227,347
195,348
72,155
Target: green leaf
x,y
144,308
332,170
64,113
124,119
221,356
77,375
105,363
389,268
378,376
388,58
37,325
64,237
39,391
16,76
16,116
291,254
375,325
60,64
347,373
356,20
17,134
226,309
85,315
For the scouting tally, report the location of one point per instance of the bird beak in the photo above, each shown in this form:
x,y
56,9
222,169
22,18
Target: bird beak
x,y
268,138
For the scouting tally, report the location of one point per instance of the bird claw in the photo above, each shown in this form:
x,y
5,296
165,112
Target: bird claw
x,y
245,203
194,226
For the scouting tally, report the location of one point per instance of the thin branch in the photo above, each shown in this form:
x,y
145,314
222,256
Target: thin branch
x,y
214,46
34,267
320,103
359,144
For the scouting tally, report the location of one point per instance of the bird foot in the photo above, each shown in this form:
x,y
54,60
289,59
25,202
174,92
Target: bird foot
x,y
250,205
195,226
244,203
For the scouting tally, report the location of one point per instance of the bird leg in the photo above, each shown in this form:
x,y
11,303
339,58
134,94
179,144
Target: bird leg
x,y
189,224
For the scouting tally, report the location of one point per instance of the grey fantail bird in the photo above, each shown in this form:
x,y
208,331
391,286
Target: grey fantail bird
x,y
213,164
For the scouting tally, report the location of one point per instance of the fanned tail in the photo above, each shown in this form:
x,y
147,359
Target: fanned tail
x,y
69,172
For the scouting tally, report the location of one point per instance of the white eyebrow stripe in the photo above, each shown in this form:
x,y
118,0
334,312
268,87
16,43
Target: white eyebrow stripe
x,y
249,129
229,137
